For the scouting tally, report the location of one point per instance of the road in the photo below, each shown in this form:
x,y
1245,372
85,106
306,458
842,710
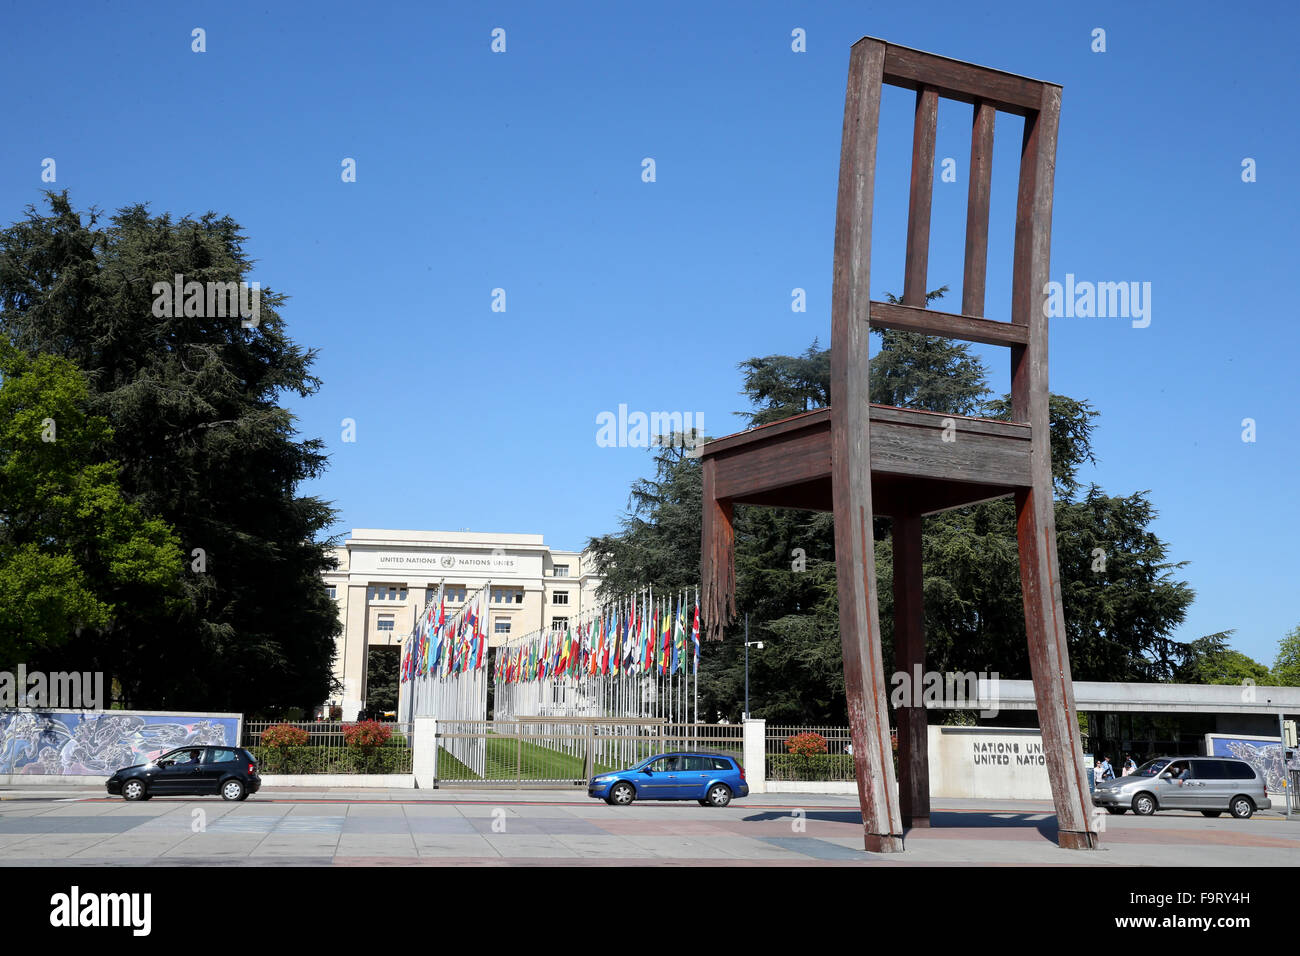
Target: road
x,y
42,826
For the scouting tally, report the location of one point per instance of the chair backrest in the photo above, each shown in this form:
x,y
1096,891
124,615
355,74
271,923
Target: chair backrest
x,y
874,63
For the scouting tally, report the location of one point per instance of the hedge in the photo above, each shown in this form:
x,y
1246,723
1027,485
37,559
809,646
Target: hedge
x,y
390,759
813,767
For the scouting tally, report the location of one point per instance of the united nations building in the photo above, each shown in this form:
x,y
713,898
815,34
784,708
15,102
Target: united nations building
x,y
385,578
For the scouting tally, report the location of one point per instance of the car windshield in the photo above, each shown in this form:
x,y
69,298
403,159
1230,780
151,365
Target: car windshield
x,y
1150,768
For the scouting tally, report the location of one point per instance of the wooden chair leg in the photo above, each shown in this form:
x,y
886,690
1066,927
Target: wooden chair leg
x,y
909,658
1049,660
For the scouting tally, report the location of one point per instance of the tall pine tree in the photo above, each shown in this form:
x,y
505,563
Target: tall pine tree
x,y
204,444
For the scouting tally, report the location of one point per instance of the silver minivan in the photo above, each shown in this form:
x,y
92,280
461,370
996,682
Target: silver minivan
x,y
1208,784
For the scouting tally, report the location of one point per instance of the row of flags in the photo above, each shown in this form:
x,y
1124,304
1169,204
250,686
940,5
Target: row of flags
x,y
646,638
439,647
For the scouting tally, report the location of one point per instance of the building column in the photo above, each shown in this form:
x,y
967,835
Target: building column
x,y
355,642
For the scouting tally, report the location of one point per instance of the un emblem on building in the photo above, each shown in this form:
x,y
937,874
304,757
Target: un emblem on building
x,y
448,561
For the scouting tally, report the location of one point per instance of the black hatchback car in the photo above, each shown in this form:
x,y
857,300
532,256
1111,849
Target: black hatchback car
x,y
190,771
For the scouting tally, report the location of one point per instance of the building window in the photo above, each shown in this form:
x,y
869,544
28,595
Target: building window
x,y
333,591
386,622
559,622
507,596
455,593
560,597
386,592
561,571
501,625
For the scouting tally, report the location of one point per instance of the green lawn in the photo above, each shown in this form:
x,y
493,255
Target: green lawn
x,y
505,754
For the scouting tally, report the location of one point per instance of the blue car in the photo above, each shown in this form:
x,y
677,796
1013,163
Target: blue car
x,y
712,779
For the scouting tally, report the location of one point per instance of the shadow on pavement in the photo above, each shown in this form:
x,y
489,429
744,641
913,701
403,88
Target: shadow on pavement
x,y
939,820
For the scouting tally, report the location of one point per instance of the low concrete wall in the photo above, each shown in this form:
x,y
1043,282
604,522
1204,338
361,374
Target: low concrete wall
x,y
51,780
376,781
393,781
999,763
811,786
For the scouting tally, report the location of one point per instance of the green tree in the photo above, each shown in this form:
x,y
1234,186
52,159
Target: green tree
x,y
73,552
1209,660
1286,668
204,445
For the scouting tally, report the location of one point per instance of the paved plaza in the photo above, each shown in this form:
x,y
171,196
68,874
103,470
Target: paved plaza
x,y
42,826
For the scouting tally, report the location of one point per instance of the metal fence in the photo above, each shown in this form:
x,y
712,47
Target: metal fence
x,y
834,764
326,749
566,751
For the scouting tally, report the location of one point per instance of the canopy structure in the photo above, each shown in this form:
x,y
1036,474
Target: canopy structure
x,y
860,460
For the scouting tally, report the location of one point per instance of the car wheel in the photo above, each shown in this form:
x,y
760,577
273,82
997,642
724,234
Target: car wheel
x,y
133,790
1144,804
719,795
1210,813
1242,807
1117,810
622,794
233,790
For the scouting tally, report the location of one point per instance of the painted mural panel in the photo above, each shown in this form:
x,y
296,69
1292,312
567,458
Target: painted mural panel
x,y
49,742
1262,753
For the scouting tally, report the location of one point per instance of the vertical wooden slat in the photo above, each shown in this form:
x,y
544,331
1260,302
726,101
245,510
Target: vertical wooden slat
x,y
850,443
920,196
909,658
975,273
1049,657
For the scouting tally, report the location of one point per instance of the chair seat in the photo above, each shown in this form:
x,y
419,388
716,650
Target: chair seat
x,y
913,468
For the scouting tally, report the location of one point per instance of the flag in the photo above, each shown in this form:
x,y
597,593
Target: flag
x,y
635,648
482,642
695,635
679,640
665,653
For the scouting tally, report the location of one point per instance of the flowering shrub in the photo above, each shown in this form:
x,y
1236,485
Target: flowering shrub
x,y
281,736
805,745
367,734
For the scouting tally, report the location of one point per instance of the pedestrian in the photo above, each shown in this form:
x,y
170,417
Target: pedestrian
x,y
1130,765
1106,772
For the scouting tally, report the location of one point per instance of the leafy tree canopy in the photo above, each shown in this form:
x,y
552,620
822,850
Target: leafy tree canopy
x,y
192,398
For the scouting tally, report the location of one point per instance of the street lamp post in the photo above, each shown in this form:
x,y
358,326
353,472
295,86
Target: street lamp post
x,y
759,645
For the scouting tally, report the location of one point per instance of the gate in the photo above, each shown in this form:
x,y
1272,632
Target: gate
x,y
565,751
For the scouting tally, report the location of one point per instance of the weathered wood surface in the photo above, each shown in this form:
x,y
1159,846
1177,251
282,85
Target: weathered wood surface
x,y
1049,655
902,442
717,557
864,674
955,80
975,267
920,198
861,460
909,658
887,315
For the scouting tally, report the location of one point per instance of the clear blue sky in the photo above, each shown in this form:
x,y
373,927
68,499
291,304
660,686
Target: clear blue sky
x,y
522,171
